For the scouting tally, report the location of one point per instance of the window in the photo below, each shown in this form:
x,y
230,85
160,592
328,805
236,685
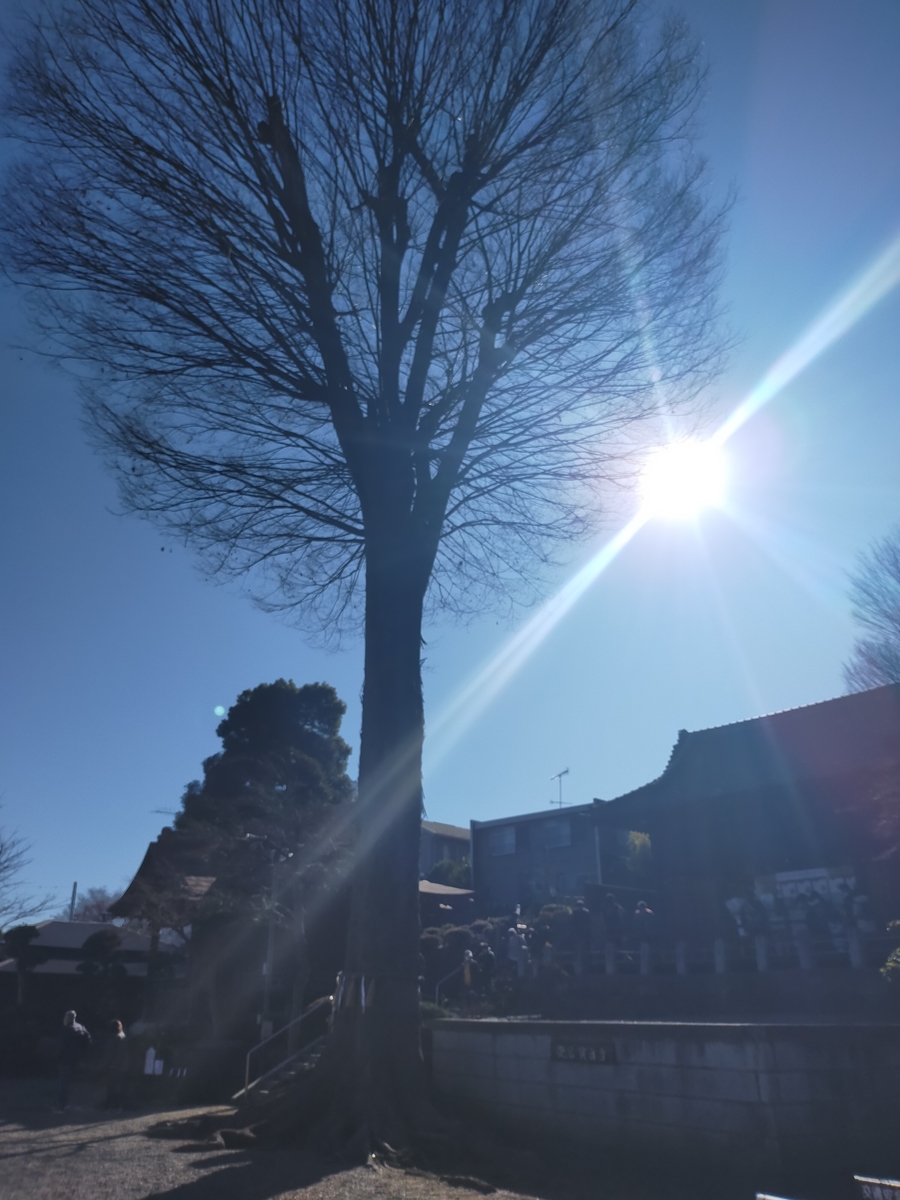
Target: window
x,y
557,833
502,840
566,883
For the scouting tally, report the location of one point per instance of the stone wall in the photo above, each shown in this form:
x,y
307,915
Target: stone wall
x,y
766,1095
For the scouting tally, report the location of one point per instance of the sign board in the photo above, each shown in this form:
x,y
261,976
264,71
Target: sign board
x,y
578,1050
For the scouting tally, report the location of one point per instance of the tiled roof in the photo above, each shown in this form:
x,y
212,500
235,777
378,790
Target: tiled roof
x,y
174,867
447,831
546,814
840,737
71,935
68,937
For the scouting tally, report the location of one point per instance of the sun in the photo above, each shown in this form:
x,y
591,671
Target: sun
x,y
680,480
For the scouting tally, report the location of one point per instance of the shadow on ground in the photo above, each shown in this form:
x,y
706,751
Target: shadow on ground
x,y
86,1154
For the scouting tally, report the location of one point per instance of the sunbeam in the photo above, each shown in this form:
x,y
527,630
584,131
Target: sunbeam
x,y
789,552
840,316
478,693
837,319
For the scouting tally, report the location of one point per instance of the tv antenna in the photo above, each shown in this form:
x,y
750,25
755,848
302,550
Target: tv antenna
x,y
559,778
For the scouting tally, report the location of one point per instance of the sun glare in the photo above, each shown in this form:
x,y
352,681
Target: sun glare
x,y
680,480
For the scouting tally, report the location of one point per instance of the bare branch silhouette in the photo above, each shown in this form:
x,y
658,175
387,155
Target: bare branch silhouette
x,y
367,297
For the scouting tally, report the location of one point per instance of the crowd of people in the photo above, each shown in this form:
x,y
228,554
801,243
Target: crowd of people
x,y
530,947
560,940
557,939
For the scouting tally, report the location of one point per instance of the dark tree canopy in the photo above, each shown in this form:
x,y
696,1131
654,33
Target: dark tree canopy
x,y
283,761
451,874
285,721
875,597
17,944
91,904
100,955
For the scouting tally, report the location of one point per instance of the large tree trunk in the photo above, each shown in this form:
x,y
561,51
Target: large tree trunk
x,y
376,1049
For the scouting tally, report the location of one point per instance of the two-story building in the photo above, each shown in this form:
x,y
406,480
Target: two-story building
x,y
441,843
786,802
779,805
534,859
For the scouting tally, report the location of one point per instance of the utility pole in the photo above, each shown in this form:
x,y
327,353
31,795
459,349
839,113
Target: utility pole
x,y
266,1023
72,902
276,856
559,777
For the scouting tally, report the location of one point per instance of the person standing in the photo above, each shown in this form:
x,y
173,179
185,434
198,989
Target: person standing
x,y
512,945
75,1044
115,1063
644,922
487,964
517,950
581,934
613,918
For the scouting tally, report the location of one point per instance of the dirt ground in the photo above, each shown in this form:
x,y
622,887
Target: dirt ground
x,y
87,1154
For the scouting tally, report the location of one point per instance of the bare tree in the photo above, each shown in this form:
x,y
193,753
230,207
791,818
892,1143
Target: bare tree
x,y
366,296
16,904
875,596
91,905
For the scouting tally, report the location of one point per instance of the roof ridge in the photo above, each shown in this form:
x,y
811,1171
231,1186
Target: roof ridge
x,y
780,712
857,718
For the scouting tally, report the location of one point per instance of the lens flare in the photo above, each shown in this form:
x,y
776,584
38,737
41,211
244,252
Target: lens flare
x,y
478,693
841,315
682,479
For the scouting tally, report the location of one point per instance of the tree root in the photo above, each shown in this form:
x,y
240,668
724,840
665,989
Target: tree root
x,y
387,1131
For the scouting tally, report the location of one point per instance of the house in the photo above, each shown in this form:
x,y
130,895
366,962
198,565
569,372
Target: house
x,y
442,843
187,880
534,859
184,880
63,973
774,805
61,948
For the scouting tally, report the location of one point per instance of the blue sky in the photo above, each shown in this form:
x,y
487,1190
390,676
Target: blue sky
x,y
114,652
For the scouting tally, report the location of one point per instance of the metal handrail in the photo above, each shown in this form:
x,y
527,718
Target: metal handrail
x,y
273,1071
307,1012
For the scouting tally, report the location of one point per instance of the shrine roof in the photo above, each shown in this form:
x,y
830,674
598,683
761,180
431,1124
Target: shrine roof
x,y
848,735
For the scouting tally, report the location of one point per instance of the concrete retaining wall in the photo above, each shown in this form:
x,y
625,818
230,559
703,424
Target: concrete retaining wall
x,y
770,1095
